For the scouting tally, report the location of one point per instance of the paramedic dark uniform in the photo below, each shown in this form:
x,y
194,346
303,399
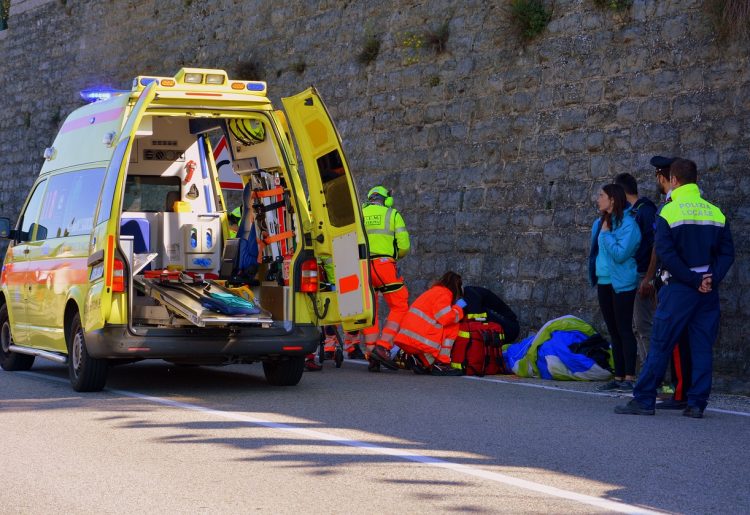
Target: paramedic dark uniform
x,y
692,238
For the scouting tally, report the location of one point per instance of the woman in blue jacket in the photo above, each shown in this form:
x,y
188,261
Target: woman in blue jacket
x,y
615,237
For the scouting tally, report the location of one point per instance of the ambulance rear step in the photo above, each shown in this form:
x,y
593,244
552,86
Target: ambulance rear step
x,y
184,299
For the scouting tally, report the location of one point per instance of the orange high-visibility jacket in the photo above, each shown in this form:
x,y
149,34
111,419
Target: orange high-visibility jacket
x,y
431,324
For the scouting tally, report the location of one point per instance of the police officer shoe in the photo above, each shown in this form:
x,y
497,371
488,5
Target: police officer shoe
x,y
692,412
633,408
380,355
671,404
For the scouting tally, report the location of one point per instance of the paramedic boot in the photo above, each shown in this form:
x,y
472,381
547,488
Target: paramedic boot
x,y
356,353
381,355
445,369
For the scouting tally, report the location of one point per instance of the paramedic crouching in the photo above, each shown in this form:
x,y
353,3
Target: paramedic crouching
x,y
695,246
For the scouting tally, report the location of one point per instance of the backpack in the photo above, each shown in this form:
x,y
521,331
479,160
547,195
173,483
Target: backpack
x,y
478,348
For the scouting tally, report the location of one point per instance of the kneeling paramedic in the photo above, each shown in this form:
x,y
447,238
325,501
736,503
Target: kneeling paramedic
x,y
389,241
430,327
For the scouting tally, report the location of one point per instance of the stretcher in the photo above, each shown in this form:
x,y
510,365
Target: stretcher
x,y
189,294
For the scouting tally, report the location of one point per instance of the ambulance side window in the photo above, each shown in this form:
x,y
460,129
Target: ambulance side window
x,y
113,172
336,189
69,203
28,220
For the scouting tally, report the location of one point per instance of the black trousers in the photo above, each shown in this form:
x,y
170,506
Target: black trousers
x,y
617,310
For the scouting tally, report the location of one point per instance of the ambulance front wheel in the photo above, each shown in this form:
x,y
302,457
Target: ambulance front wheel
x,y
10,360
285,371
87,374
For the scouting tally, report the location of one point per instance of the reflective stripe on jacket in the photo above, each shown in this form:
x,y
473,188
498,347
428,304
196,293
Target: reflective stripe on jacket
x,y
693,233
386,231
431,323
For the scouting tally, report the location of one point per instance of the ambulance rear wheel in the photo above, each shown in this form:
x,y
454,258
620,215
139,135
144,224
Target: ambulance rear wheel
x,y
285,371
10,360
87,374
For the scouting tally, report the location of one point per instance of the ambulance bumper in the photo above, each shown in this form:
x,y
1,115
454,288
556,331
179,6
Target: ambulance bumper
x,y
215,345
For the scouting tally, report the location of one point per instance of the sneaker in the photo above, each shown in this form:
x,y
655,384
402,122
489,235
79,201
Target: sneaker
x,y
671,404
611,386
625,387
633,408
693,412
380,354
667,389
445,369
356,353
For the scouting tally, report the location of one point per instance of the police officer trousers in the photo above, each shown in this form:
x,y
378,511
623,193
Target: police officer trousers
x,y
681,308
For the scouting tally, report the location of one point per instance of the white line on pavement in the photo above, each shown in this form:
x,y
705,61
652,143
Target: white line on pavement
x,y
559,389
497,477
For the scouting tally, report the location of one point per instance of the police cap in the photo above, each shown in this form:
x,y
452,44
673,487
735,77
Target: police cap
x,y
661,161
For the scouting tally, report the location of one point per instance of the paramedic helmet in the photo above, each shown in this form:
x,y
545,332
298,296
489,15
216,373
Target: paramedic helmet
x,y
247,132
235,214
383,192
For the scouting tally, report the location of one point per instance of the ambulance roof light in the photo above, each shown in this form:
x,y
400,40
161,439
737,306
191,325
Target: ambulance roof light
x,y
92,95
256,86
193,78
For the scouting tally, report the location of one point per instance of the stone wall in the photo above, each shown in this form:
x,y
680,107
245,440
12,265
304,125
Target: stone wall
x,y
494,148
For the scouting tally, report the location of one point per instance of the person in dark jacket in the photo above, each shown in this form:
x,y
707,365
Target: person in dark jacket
x,y
644,211
695,246
482,300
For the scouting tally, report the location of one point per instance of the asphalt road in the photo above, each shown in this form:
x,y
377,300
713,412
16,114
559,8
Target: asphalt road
x,y
162,439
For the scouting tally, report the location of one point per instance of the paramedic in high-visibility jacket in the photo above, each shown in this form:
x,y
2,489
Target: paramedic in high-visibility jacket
x,y
388,240
695,247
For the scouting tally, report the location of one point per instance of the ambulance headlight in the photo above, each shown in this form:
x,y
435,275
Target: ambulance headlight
x,y
193,78
214,78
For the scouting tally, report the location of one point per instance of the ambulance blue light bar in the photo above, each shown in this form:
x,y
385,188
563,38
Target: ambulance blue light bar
x,y
256,86
92,95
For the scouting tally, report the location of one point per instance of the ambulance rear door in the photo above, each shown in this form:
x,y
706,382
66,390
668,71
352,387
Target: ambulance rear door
x,y
337,218
101,304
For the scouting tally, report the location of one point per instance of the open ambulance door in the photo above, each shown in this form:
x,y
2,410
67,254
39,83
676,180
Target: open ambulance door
x,y
102,256
337,218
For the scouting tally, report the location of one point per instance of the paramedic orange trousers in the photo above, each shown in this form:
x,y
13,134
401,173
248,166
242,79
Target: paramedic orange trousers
x,y
385,279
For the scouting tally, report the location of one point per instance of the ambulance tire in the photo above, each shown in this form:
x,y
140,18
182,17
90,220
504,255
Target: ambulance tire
x,y
10,361
285,371
87,374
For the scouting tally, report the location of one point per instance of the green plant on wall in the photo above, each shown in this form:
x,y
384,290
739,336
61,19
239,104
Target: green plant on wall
x,y
617,5
530,17
412,42
4,13
370,50
730,18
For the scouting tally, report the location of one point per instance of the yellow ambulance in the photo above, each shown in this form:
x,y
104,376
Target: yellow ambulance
x,y
122,249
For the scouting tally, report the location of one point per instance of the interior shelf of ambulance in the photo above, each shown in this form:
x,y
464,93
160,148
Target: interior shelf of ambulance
x,y
171,231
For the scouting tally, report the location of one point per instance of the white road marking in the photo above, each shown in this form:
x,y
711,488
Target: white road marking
x,y
560,389
497,477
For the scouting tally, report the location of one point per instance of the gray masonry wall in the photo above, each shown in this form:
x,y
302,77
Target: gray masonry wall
x,y
495,149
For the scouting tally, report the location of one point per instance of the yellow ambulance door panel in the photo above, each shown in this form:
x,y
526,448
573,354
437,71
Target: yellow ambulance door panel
x,y
106,232
17,274
337,221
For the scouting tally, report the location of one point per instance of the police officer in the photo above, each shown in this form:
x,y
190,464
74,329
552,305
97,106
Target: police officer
x,y
694,244
389,241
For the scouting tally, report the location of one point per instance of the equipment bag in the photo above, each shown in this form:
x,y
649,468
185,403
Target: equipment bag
x,y
478,348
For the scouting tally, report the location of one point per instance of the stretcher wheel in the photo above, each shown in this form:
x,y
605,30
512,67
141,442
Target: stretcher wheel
x,y
339,357
321,352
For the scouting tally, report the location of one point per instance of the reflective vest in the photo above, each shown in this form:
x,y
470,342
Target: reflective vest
x,y
693,238
432,323
386,231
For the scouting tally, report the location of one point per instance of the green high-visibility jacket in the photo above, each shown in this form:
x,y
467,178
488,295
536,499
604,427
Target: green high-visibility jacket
x,y
386,231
